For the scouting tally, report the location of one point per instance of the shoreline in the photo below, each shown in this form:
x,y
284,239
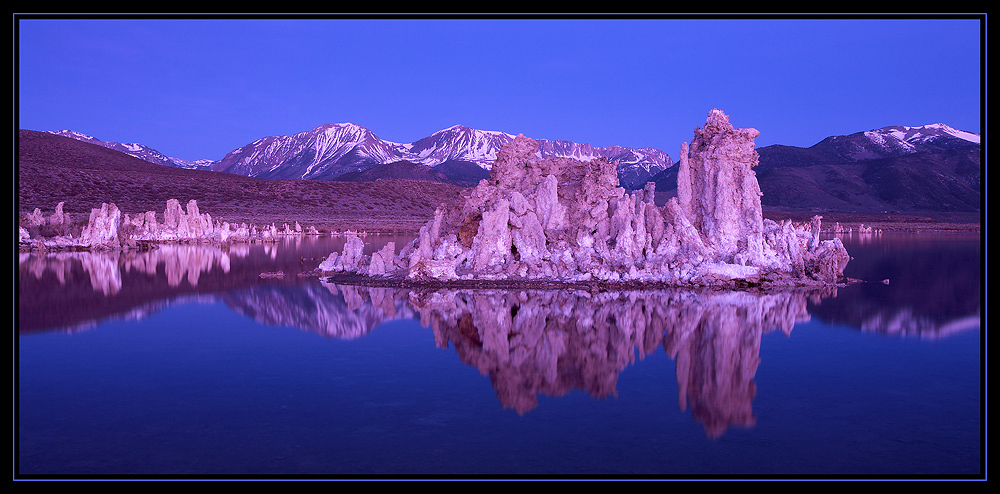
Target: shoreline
x,y
937,223
592,286
908,222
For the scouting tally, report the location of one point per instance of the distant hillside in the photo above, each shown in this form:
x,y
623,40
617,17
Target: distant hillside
x,y
397,170
895,169
139,151
462,172
53,168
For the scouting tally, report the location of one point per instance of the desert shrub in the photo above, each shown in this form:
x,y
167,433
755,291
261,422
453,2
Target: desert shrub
x,y
58,230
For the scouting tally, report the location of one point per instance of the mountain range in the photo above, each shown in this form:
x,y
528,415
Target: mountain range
x,y
896,168
931,168
330,151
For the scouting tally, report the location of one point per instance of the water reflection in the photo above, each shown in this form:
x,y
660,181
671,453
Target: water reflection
x,y
325,309
927,288
532,343
73,290
105,269
528,343
925,285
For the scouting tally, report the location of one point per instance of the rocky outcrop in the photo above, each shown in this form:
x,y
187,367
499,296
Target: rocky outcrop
x,y
102,229
59,217
567,220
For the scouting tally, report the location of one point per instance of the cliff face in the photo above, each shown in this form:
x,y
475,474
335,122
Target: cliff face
x,y
567,220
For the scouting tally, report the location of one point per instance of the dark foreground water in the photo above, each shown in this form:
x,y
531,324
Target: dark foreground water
x,y
186,362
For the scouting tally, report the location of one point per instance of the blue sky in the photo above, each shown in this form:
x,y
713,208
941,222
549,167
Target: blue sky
x,y
199,88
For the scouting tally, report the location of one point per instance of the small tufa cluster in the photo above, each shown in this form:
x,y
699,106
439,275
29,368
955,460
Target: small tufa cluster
x,y
558,219
109,229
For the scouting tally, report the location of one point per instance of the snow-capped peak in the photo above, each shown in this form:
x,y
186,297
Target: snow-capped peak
x,y
928,132
961,134
74,134
337,129
459,127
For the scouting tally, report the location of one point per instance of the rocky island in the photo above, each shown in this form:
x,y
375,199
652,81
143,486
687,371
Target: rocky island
x,y
567,221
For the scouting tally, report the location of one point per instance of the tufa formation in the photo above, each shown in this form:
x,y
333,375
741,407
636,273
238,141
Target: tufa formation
x,y
562,220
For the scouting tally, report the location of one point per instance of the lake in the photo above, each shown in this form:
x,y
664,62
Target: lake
x,y
184,362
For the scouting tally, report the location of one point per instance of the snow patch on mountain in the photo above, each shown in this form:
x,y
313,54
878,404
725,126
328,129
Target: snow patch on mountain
x,y
923,134
890,140
331,150
80,136
138,150
899,140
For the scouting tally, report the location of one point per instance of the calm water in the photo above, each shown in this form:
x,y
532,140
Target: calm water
x,y
186,362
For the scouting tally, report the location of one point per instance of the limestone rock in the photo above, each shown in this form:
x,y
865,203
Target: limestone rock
x,y
173,214
329,264
718,191
109,228
101,231
350,260
562,219
59,217
382,260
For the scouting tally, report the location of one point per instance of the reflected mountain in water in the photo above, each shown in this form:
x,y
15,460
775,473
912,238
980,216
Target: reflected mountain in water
x,y
926,286
528,342
74,290
71,290
321,308
932,291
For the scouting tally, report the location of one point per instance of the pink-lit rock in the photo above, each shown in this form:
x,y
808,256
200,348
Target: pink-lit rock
x,y
558,219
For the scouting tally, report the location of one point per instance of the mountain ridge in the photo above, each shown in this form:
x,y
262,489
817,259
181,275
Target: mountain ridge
x,y
864,170
892,169
54,169
331,150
